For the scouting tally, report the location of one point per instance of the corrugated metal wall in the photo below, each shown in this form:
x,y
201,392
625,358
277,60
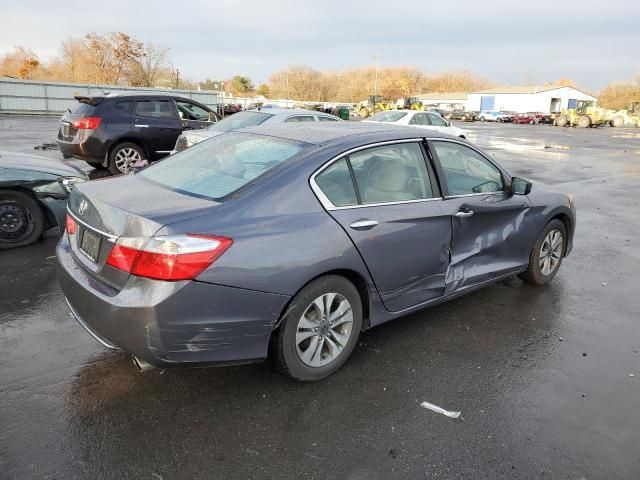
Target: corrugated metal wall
x,y
35,97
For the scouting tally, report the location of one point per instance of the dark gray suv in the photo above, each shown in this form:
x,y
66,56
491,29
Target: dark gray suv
x,y
291,240
120,129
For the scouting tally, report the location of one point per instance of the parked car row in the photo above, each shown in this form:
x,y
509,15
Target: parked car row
x,y
279,234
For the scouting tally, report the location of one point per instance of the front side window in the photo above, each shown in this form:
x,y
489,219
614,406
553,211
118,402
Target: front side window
x,y
154,109
221,165
191,111
326,119
437,120
336,183
391,173
390,116
466,171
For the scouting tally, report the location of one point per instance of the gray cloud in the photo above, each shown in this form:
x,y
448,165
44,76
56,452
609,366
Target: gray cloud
x,y
506,41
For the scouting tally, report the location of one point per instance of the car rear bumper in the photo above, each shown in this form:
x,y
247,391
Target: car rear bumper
x,y
171,323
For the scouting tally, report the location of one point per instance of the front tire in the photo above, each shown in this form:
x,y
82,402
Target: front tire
x,y
320,329
617,121
562,121
584,121
122,156
546,256
21,219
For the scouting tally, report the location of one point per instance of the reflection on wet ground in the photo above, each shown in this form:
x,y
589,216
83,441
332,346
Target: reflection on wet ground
x,y
541,375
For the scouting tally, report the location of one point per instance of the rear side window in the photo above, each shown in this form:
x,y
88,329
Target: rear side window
x,y
419,119
302,118
327,119
391,173
154,109
123,106
336,183
221,165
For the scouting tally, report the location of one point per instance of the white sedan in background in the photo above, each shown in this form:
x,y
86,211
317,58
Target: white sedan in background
x,y
412,118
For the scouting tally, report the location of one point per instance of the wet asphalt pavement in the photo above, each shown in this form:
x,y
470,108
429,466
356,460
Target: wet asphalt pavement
x,y
542,376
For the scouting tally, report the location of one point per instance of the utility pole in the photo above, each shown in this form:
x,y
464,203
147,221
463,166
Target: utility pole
x,y
377,58
288,91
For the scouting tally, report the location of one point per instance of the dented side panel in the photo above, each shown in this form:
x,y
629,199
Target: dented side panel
x,y
490,243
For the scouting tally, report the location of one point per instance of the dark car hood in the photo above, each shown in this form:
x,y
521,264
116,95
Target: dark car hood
x,y
35,163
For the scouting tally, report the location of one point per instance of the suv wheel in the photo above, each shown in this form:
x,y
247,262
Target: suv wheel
x,y
320,329
122,156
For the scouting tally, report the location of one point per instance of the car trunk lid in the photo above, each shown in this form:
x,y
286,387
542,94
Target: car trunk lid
x,y
135,208
84,107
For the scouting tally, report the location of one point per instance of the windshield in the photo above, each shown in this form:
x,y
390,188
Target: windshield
x,y
240,120
393,116
221,165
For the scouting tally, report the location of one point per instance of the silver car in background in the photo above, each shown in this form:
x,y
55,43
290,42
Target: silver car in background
x,y
251,118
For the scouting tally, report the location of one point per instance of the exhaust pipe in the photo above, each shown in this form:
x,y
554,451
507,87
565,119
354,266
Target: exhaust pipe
x,y
141,365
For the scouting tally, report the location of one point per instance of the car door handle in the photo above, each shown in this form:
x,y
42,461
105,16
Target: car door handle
x,y
464,214
363,224
139,125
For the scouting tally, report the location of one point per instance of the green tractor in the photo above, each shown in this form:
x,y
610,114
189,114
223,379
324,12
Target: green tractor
x,y
628,116
585,115
373,104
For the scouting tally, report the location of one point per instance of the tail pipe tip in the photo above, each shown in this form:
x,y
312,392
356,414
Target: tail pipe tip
x,y
141,365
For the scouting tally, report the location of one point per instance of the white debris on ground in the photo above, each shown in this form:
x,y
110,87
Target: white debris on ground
x,y
437,409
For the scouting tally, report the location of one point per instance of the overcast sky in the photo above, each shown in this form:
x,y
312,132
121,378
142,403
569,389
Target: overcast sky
x,y
507,41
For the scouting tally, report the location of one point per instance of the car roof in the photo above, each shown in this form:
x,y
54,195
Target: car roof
x,y
287,112
328,132
144,95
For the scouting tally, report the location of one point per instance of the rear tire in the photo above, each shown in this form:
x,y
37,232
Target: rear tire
x,y
312,342
21,219
546,256
482,119
122,155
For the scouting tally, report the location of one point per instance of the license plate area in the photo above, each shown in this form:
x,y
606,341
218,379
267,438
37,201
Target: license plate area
x,y
90,244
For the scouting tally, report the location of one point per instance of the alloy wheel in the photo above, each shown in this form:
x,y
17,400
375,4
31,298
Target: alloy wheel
x,y
551,252
125,157
324,329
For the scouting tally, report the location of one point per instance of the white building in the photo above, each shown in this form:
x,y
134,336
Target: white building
x,y
445,101
526,99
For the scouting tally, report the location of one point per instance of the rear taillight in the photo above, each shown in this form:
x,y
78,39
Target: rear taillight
x,y
171,258
87,123
71,225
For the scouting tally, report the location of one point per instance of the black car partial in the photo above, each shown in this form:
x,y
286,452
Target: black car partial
x,y
118,130
33,196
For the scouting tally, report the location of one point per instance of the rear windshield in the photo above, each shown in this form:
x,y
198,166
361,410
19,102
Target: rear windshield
x,y
221,165
240,120
387,116
82,108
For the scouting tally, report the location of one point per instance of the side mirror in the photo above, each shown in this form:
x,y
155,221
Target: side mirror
x,y
520,186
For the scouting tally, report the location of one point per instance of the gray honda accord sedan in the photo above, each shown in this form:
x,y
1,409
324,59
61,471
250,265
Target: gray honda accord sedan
x,y
289,241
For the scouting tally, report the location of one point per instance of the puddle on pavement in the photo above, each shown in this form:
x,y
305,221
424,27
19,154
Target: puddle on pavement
x,y
627,135
520,145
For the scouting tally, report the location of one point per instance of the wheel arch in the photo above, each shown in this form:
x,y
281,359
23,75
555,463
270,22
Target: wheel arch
x,y
358,281
49,216
126,139
568,225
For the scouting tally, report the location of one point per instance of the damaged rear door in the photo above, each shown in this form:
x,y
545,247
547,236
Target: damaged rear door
x,y
486,219
386,199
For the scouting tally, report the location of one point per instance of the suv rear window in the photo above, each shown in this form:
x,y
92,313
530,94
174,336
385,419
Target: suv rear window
x,y
82,108
221,165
